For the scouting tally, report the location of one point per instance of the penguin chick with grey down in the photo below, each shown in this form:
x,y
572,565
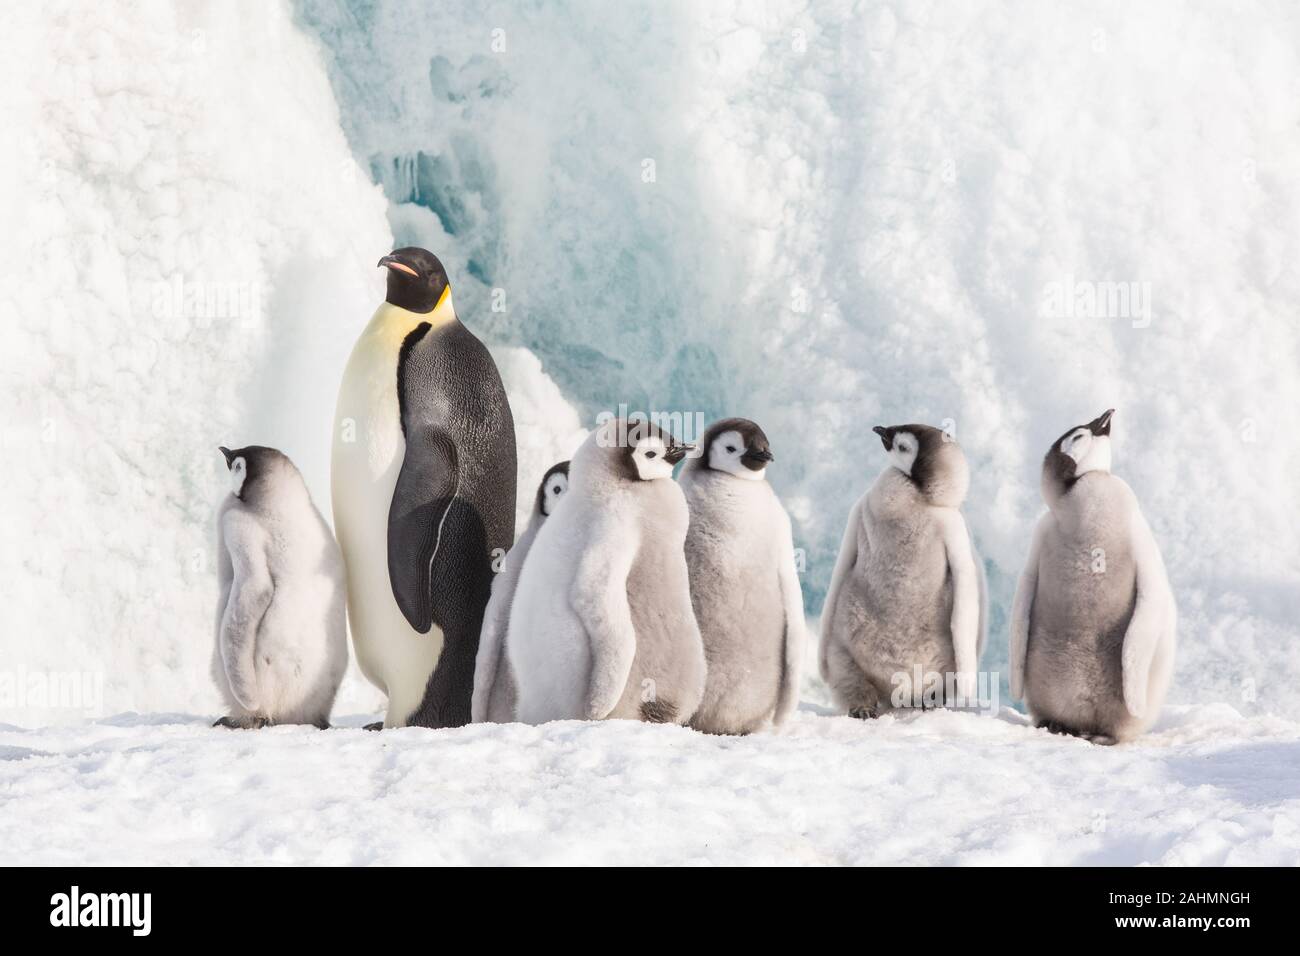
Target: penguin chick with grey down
x,y
494,685
744,586
1093,621
602,626
281,645
907,597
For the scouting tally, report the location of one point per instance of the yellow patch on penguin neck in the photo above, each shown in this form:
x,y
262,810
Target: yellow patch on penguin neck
x,y
444,311
397,322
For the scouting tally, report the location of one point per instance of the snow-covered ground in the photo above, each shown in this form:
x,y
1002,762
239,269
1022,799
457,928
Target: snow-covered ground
x,y
1208,787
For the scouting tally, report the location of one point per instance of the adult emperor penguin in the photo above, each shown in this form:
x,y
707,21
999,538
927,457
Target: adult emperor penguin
x,y
282,639
423,482
907,597
1093,621
602,625
744,586
494,685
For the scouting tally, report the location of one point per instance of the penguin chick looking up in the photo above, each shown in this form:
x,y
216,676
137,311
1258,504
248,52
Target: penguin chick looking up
x,y
281,645
1094,619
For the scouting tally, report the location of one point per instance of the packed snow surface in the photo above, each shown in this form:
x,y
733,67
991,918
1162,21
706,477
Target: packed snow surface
x,y
1208,787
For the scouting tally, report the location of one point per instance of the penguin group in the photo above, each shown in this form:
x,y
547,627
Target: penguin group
x,y
637,594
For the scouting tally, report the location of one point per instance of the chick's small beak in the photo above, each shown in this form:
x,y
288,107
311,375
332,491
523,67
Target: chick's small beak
x,y
885,437
230,455
397,265
758,454
677,452
1101,424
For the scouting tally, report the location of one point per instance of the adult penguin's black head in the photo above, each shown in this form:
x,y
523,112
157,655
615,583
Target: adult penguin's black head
x,y
417,281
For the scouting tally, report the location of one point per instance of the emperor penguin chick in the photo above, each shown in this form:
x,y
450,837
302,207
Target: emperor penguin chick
x,y
281,644
907,598
1093,621
744,586
494,685
602,625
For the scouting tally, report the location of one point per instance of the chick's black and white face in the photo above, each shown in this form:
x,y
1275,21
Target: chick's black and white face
x,y
1082,449
237,467
635,450
737,454
255,468
652,458
1089,452
903,450
556,484
238,475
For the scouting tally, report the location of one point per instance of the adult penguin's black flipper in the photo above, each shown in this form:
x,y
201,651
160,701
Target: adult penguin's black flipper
x,y
417,519
453,505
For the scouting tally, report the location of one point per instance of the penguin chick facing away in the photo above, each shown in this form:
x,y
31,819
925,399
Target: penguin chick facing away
x,y
602,625
1093,621
494,685
907,596
423,485
744,586
281,644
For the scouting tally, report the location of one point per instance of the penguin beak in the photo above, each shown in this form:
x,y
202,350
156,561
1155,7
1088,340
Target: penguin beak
x,y
886,436
759,456
677,452
397,265
1101,424
230,455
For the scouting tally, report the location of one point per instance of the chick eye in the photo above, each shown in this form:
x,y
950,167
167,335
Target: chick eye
x,y
651,454
556,489
731,448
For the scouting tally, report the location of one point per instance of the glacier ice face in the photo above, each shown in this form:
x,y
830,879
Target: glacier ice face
x,y
827,218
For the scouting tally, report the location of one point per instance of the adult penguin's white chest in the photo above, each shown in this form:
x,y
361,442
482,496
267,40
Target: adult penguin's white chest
x,y
367,458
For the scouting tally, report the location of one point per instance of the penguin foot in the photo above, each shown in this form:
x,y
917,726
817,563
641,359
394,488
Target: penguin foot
x,y
1101,740
377,725
1056,727
863,713
243,723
